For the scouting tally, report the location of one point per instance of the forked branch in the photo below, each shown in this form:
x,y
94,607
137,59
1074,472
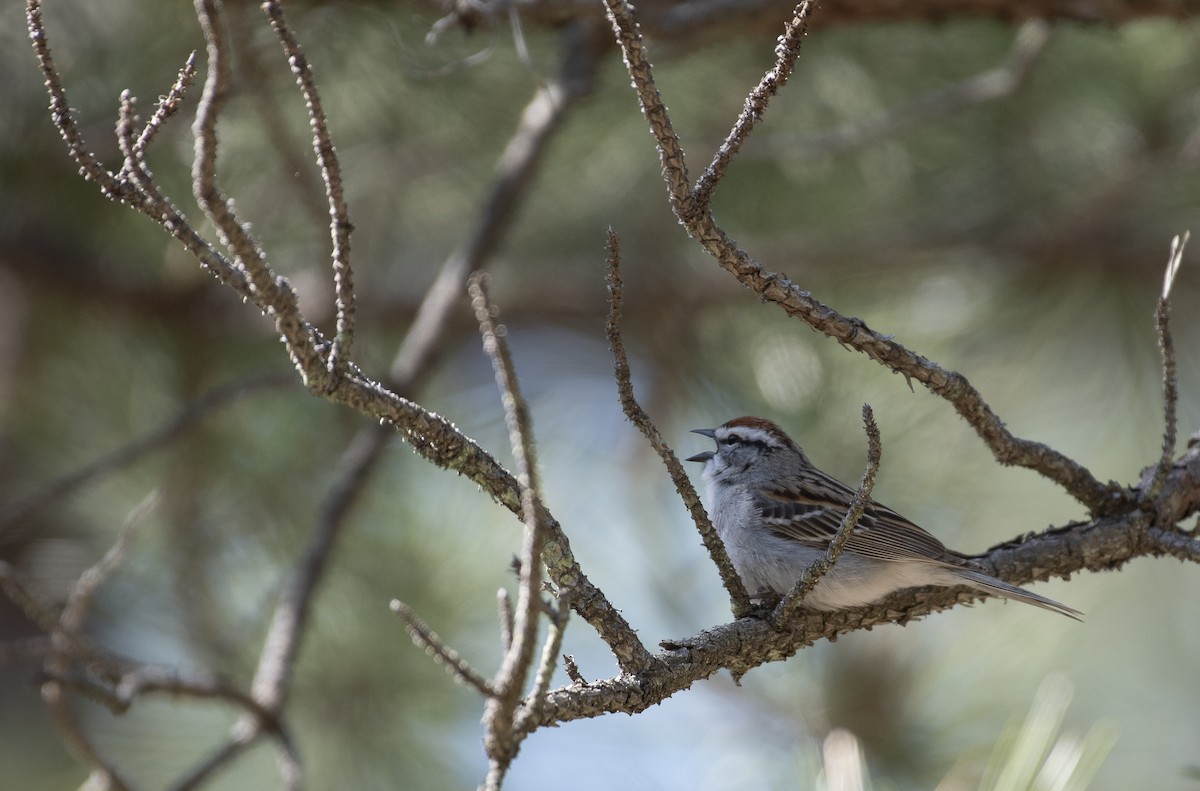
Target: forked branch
x,y
771,287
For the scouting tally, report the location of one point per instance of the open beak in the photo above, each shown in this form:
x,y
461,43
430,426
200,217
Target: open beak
x,y
708,454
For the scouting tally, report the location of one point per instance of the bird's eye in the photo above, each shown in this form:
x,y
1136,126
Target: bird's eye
x,y
733,439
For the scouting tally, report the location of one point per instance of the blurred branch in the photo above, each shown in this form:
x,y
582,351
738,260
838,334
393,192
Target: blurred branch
x,y
290,620
851,332
65,633
427,640
539,121
694,23
1028,45
791,603
739,600
501,737
134,451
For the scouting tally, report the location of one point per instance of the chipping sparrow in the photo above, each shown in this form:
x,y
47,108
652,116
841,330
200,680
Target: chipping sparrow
x,y
777,513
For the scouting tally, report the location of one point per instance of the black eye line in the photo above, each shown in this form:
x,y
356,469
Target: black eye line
x,y
738,439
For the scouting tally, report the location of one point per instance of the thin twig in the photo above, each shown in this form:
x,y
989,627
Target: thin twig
x,y
60,109
794,599
272,293
787,50
1170,380
167,105
128,191
501,739
216,760
65,636
331,173
572,669
738,598
527,719
427,640
80,596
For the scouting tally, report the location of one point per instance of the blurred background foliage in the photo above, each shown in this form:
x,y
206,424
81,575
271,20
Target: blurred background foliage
x,y
1020,242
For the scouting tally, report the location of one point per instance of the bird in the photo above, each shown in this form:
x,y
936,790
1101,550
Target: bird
x,y
776,513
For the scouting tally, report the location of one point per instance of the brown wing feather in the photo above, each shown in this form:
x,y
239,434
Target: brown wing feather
x,y
811,508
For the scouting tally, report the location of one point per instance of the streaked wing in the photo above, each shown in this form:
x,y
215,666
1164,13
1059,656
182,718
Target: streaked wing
x,y
810,509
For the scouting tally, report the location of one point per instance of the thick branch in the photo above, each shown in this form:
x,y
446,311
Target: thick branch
x,y
1104,544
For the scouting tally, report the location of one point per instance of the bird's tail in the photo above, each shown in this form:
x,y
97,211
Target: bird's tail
x,y
989,584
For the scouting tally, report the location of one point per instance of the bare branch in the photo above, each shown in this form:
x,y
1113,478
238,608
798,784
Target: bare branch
x,y
433,437
540,119
331,173
167,105
111,186
216,760
573,670
1170,382
500,738
272,293
427,640
851,332
739,600
794,599
787,50
80,597
289,622
633,48
527,718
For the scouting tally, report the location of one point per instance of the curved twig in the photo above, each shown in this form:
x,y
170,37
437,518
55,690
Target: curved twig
x,y
739,600
791,603
331,173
